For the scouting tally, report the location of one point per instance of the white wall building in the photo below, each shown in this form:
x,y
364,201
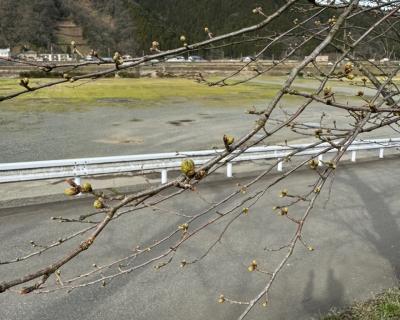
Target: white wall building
x,y
5,53
54,57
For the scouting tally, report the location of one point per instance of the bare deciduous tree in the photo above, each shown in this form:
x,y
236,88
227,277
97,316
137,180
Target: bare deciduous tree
x,y
332,26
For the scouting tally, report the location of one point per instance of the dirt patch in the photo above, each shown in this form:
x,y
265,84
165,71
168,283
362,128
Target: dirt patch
x,y
121,140
116,100
180,122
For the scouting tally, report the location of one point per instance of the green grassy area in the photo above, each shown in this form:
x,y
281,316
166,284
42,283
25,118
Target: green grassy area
x,y
384,306
144,90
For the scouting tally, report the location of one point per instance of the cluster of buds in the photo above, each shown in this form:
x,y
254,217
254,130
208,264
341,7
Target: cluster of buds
x,y
332,21
283,211
155,46
209,33
25,83
183,39
117,58
348,68
75,189
317,23
245,210
184,227
253,266
221,299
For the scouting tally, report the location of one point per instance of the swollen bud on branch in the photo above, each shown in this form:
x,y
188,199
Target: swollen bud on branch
x,y
284,211
188,168
74,49
228,141
313,164
71,191
117,58
98,203
258,10
209,33
284,193
86,187
155,47
348,68
327,91
184,227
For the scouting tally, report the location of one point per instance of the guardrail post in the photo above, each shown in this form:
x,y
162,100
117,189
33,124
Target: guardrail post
x,y
353,156
164,176
381,153
229,170
280,165
320,158
77,180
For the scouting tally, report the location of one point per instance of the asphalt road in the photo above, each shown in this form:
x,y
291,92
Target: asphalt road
x,y
355,234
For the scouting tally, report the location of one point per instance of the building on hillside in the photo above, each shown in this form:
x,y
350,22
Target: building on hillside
x,y
5,53
28,55
56,57
321,58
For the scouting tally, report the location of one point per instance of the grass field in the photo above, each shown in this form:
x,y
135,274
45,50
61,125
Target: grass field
x,y
385,306
107,91
146,91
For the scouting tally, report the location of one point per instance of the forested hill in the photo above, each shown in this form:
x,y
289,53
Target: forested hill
x,y
130,26
125,25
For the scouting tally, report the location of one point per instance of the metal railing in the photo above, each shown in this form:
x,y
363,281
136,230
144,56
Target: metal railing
x,y
162,162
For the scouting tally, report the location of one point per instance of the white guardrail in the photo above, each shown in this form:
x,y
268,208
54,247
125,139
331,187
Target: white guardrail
x,y
162,162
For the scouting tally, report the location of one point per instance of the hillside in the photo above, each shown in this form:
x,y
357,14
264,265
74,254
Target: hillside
x,y
130,26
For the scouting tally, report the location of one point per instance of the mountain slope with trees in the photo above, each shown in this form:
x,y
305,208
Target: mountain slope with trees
x,y
130,26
